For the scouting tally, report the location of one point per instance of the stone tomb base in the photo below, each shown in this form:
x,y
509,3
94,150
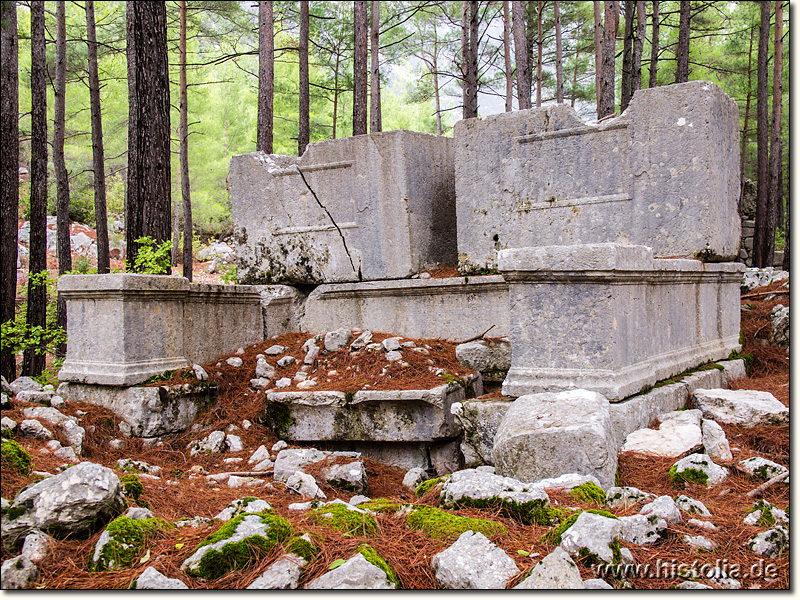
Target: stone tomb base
x,y
611,319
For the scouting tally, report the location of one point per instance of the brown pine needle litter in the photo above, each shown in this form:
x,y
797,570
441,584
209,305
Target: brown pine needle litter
x,y
180,493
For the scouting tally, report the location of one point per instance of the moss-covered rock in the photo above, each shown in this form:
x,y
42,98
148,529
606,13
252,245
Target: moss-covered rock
x,y
382,505
425,486
340,516
302,546
681,478
239,542
372,556
15,457
132,486
554,535
589,492
438,523
123,541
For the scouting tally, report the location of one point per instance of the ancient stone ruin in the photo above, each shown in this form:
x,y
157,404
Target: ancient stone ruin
x,y
596,252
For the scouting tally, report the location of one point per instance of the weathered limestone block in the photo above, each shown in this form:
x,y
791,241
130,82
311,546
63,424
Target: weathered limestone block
x,y
745,408
378,206
473,562
556,571
356,573
650,319
678,434
664,174
282,307
547,435
453,308
479,419
592,535
491,357
125,327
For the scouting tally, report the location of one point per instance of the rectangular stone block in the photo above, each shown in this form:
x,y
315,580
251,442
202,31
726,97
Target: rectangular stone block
x,y
611,319
453,308
362,208
123,328
664,174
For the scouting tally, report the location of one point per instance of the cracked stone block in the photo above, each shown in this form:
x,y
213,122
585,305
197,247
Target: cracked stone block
x,y
363,208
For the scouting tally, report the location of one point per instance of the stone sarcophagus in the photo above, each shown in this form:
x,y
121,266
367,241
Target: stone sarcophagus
x,y
363,208
665,174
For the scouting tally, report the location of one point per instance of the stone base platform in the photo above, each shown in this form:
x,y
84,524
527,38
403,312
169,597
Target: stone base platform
x,y
611,319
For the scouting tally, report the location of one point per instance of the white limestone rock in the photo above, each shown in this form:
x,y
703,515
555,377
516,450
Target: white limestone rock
x,y
664,507
260,454
351,476
311,355
762,468
754,277
692,506
391,344
678,434
468,485
356,573
283,382
307,384
764,513
745,408
67,454
240,506
566,482
152,579
213,443
286,361
770,543
275,350
264,369
592,534
642,529
42,397
139,466
24,383
5,403
7,427
137,513
305,485
33,428
74,434
260,383
234,443
278,446
348,472
283,574
692,585
414,477
336,340
597,584
779,319
687,468
699,542
715,443
18,573
36,546
556,571
235,361
707,525
364,338
200,373
485,356
622,497
473,562
73,502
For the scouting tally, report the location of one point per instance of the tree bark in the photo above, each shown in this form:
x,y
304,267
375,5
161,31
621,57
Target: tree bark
x,y
507,55
746,126
266,77
375,120
361,34
609,49
471,62
654,47
627,57
9,172
152,119
33,360
682,72
98,155
539,52
786,252
775,143
764,238
134,228
186,192
638,48
559,66
304,125
598,52
521,55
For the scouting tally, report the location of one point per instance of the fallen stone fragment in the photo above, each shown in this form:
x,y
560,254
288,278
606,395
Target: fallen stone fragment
x,y
283,574
698,542
390,344
622,497
24,383
235,361
260,454
394,355
140,466
356,573
414,477
715,444
286,361
5,403
664,507
692,506
36,546
200,373
556,571
473,562
18,573
279,445
6,389
491,358
566,482
283,382
275,350
336,340
42,397
67,454
264,369
122,542
74,434
692,585
311,355
770,543
779,319
307,384
592,536
762,468
151,579
745,408
597,584
362,340
305,485
240,506
719,576
213,443
697,468
194,522
765,514
678,434
642,529
707,525
234,443
260,383
32,428
7,426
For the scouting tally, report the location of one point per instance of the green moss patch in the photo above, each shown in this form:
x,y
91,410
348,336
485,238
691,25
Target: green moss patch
x,y
132,486
127,538
532,512
372,556
679,479
437,523
350,522
428,484
15,457
381,505
589,492
300,546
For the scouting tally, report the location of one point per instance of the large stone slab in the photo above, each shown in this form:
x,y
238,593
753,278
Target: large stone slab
x,y
611,318
664,174
551,434
378,206
124,328
745,408
453,308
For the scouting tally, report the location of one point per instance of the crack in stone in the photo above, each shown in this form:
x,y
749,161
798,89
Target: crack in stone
x,y
330,216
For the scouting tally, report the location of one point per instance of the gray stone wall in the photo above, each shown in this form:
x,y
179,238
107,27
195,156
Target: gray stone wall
x,y
382,207
664,174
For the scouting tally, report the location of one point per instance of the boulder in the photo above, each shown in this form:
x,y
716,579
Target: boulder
x,y
43,397
593,536
715,444
697,468
151,579
18,573
283,574
479,420
336,340
25,383
770,543
304,484
122,542
643,529
678,434
779,319
74,503
356,573
471,487
692,506
664,507
745,408
473,562
491,357
765,514
414,477
213,443
762,468
550,434
33,428
622,497
556,571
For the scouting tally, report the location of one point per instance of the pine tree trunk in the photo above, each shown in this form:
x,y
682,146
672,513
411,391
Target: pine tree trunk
x,y
98,155
764,238
134,227
775,127
682,72
266,77
186,192
304,126
521,55
507,55
62,177
539,52
33,360
559,66
9,173
361,34
375,121
786,252
652,82
609,50
746,126
471,62
598,52
627,57
153,123
638,48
